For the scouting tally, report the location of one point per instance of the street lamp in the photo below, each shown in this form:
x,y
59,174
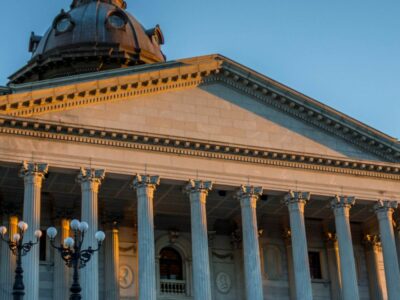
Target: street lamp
x,y
19,249
72,253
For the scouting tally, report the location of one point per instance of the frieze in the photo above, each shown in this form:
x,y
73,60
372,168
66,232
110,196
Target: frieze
x,y
198,148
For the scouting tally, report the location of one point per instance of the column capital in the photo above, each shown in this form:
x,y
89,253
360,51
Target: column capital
x,y
296,200
342,202
330,239
248,194
372,242
198,186
90,175
33,170
148,181
287,236
385,206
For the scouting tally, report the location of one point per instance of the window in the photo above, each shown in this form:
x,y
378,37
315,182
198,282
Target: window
x,y
315,264
42,247
170,264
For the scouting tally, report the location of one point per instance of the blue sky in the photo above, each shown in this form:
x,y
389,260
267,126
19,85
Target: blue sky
x,y
342,53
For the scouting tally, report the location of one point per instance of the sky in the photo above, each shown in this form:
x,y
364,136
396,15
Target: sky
x,y
342,53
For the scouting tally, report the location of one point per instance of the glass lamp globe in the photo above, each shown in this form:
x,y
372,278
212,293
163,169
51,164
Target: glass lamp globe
x,y
75,224
83,227
22,226
3,230
51,232
16,237
100,236
69,242
38,234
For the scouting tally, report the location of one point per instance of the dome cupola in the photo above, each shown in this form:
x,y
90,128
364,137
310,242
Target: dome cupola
x,y
93,35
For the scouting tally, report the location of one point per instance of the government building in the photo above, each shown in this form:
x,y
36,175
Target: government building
x,y
210,180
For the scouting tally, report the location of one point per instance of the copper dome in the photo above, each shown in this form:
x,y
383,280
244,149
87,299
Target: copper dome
x,y
94,35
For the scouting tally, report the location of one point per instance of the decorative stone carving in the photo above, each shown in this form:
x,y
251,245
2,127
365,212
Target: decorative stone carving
x,y
223,282
125,276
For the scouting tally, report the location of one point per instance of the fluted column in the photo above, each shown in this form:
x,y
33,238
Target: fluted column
x,y
33,175
248,196
62,282
295,202
112,262
397,237
8,261
287,235
145,186
341,208
90,180
384,211
332,249
372,250
198,191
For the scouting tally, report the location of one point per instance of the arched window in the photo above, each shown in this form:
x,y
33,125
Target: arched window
x,y
170,264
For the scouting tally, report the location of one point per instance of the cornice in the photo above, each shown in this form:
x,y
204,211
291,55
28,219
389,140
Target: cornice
x,y
196,148
190,73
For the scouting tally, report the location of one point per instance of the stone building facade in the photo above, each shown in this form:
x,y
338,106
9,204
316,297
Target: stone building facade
x,y
210,180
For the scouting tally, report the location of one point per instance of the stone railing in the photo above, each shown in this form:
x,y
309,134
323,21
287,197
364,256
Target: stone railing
x,y
169,286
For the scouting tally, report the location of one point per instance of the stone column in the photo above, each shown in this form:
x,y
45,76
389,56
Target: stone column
x,y
145,186
384,211
295,202
33,175
372,250
332,249
8,261
90,180
248,196
62,274
111,262
288,242
397,236
198,191
236,242
341,208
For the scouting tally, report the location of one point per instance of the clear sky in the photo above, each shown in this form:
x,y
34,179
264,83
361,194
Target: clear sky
x,y
342,53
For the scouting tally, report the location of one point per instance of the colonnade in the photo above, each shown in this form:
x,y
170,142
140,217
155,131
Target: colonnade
x,y
145,186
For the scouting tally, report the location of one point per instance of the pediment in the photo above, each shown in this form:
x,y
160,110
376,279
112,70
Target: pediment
x,y
209,99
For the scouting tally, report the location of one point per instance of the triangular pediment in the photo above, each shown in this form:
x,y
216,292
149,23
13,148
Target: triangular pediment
x,y
206,98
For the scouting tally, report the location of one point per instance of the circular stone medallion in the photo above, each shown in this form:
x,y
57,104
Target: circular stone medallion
x,y
125,276
223,282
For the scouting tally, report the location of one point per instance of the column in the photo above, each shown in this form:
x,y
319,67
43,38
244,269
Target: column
x,y
332,249
248,196
295,202
145,186
384,211
33,175
289,249
372,251
397,237
62,273
8,261
90,180
236,242
198,191
112,262
341,208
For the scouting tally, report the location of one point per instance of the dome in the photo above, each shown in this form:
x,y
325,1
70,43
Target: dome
x,y
94,35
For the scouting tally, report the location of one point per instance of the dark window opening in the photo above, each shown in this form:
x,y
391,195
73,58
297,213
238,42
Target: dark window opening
x,y
170,264
42,247
315,264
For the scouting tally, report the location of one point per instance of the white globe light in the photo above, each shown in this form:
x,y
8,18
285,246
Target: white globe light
x,y
22,226
51,232
69,242
75,224
83,227
100,236
16,237
38,234
3,230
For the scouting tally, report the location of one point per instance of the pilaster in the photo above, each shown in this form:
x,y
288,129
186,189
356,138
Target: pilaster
x,y
332,249
111,262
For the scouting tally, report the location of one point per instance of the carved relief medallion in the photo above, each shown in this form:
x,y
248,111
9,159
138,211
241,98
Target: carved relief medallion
x,y
223,282
125,276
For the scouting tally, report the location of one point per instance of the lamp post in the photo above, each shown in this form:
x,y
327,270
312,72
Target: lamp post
x,y
73,255
19,249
